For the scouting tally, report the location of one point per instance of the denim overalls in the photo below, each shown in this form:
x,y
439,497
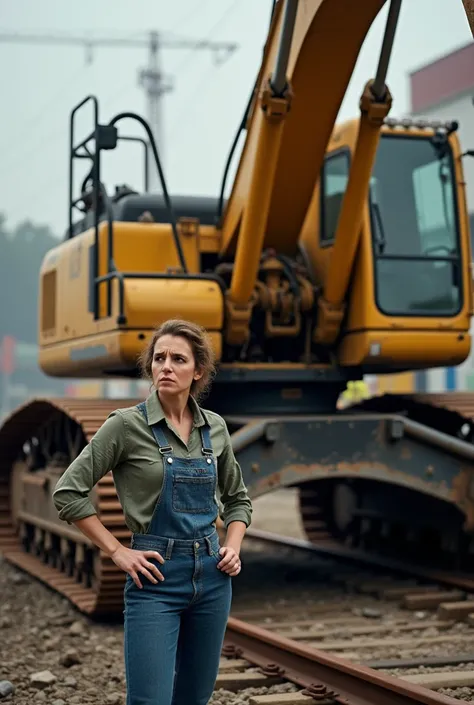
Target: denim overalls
x,y
176,627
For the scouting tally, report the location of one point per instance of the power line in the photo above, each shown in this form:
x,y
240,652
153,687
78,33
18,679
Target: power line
x,y
56,179
39,116
36,119
185,18
151,77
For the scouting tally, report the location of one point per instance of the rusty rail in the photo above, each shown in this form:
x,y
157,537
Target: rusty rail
x,y
325,677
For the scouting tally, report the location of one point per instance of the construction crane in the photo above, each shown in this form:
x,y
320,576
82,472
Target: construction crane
x,y
151,78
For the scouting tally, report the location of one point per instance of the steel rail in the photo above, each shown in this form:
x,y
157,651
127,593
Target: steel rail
x,y
327,548
325,677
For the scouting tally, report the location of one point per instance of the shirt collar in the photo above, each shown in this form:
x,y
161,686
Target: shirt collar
x,y
156,414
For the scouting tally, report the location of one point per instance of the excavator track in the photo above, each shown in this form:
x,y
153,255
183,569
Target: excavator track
x,y
321,513
37,442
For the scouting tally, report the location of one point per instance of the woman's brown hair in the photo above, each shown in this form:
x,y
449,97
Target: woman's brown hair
x,y
201,346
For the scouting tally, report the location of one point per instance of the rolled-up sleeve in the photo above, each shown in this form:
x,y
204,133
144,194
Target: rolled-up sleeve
x,y
103,453
237,505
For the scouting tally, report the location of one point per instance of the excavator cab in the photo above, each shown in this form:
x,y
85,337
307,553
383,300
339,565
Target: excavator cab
x,y
410,297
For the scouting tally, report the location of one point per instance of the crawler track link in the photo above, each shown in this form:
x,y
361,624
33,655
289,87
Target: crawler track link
x,y
36,443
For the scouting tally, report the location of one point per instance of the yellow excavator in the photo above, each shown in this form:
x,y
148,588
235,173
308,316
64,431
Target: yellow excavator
x,y
341,250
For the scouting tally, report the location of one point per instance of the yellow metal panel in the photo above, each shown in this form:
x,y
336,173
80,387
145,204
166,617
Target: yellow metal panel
x,y
149,302
209,239
138,247
90,356
81,346
115,352
403,383
404,348
146,247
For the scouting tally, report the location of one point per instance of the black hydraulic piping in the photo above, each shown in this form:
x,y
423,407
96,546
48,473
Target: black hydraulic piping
x,y
378,86
278,80
240,129
171,215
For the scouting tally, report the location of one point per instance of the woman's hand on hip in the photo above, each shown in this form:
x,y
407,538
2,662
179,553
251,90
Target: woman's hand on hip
x,y
230,562
134,562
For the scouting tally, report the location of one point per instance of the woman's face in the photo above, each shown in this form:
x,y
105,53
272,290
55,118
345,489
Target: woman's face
x,y
173,367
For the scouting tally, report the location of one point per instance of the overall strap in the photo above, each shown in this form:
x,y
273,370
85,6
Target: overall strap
x,y
160,438
206,440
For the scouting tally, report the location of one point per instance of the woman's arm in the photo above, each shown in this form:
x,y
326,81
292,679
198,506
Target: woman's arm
x,y
230,551
233,492
101,537
235,535
237,507
103,453
130,560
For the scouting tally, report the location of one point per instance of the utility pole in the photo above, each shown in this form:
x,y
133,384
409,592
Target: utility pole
x,y
151,78
156,85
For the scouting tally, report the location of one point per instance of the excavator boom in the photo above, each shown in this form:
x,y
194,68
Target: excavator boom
x,y
327,38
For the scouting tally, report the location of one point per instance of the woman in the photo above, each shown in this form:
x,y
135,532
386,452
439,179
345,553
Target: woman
x,y
168,458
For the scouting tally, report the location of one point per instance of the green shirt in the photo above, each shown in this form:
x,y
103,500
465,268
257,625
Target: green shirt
x,y
125,445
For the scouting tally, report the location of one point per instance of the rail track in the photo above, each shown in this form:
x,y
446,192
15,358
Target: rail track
x,y
321,678
370,634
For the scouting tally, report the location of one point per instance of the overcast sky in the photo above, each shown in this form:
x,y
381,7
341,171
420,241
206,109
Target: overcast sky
x,y
39,83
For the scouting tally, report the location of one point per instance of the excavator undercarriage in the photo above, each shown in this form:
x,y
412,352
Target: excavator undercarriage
x,y
355,470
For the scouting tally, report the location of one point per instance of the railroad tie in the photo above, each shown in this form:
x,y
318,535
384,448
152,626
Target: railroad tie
x,y
431,600
287,699
237,665
434,681
238,681
455,610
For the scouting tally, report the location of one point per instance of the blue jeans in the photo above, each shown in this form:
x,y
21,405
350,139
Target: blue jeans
x,y
174,630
